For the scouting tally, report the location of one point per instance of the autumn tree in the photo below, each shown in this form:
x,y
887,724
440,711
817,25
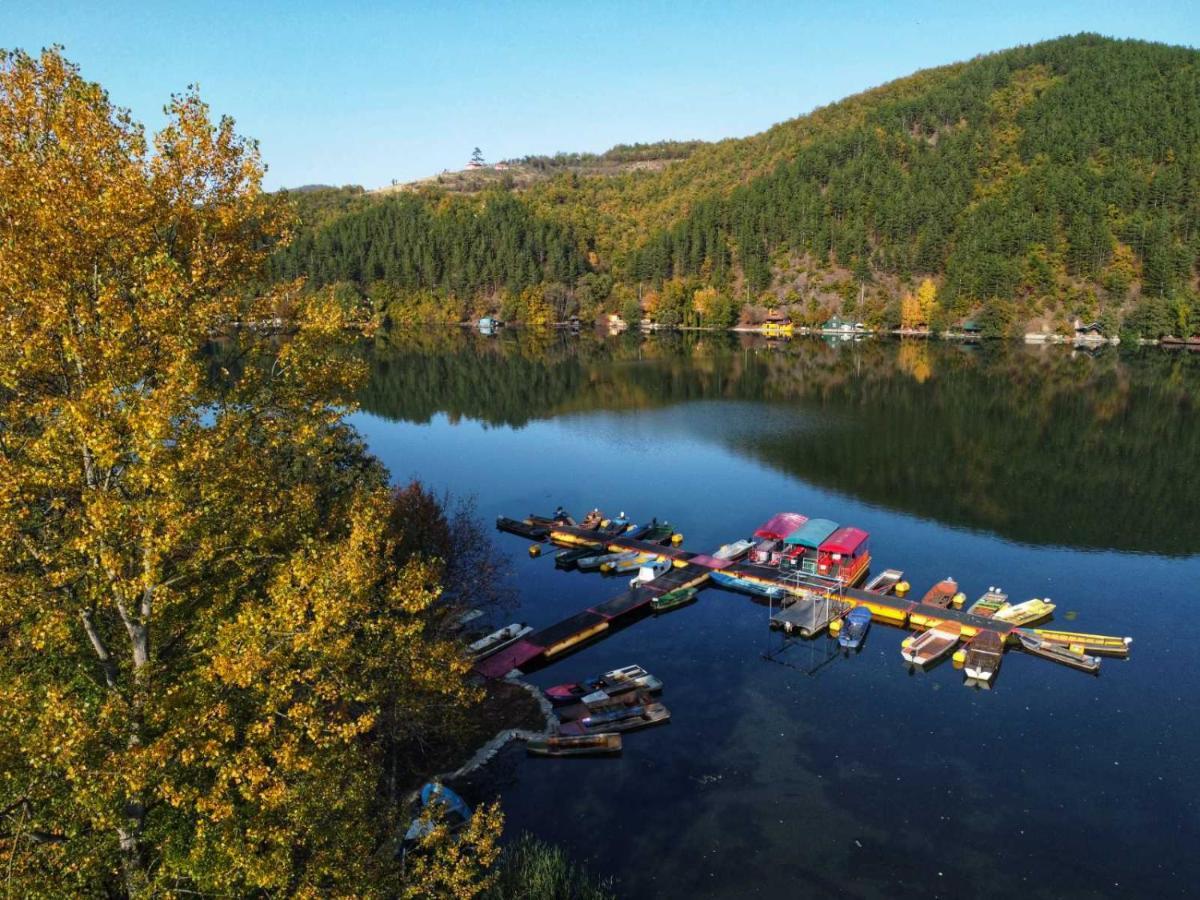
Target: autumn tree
x,y
203,617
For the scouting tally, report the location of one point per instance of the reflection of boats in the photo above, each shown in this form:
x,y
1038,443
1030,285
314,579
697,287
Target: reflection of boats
x,y
884,582
575,745
931,645
651,714
1059,653
941,594
984,653
616,681
673,599
498,640
453,808
1025,613
858,622
989,604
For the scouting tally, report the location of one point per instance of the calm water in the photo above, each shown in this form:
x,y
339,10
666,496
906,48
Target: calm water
x,y
788,769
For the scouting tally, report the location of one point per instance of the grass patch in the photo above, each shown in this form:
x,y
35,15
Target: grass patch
x,y
534,870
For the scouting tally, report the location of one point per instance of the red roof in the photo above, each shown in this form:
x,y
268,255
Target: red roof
x,y
780,525
845,541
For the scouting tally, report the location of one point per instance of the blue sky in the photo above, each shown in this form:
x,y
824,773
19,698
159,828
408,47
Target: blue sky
x,y
363,93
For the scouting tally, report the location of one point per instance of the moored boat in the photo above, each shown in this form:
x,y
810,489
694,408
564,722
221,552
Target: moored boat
x,y
989,604
575,745
615,681
747,585
885,582
629,565
1026,613
589,563
498,640
1068,655
673,599
650,570
984,653
732,551
652,714
565,559
941,594
931,645
854,630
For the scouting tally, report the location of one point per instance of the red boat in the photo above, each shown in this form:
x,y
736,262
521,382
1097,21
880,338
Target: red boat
x,y
941,594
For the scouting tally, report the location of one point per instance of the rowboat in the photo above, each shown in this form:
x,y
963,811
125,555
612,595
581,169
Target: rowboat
x,y
1025,613
652,714
453,808
941,594
989,604
589,563
930,645
1065,654
658,532
984,653
616,681
565,559
733,551
530,530
673,599
636,562
575,745
884,582
748,585
649,571
854,631
498,640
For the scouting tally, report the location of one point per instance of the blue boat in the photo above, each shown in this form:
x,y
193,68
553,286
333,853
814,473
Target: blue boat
x,y
454,808
746,585
854,629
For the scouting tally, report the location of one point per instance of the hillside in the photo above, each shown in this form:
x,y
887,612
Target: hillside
x,y
1036,184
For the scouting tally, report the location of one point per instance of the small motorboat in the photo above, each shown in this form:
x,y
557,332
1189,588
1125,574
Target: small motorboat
x,y
674,599
651,714
565,559
649,571
658,532
576,745
616,681
733,551
1067,654
452,807
931,645
989,604
591,563
498,640
941,594
599,702
854,631
884,582
984,653
533,531
636,562
1025,613
612,714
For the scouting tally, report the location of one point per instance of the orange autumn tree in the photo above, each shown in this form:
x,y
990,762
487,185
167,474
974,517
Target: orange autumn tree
x,y
203,616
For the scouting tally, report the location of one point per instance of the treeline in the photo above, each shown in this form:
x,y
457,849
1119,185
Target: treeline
x,y
619,154
1037,184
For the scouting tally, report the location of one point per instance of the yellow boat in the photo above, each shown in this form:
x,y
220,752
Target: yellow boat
x,y
1094,643
1026,613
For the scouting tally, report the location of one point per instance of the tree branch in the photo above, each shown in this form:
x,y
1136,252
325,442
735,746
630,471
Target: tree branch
x,y
106,660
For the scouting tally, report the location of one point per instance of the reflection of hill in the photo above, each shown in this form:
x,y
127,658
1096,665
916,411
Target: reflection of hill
x,y
1036,445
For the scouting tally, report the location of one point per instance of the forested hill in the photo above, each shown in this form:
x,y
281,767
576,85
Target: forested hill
x,y
1040,183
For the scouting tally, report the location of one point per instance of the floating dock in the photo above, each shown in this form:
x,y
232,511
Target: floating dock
x,y
808,601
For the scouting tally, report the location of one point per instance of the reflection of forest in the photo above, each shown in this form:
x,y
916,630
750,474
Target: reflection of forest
x,y
1038,444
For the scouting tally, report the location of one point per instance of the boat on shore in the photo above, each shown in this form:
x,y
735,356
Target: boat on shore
x,y
498,640
941,594
673,599
615,681
855,628
454,811
930,646
601,744
984,654
1026,613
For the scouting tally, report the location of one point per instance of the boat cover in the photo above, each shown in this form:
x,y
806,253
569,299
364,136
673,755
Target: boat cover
x,y
811,533
780,526
845,541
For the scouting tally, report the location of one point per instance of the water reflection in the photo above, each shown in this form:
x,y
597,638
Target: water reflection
x,y
1043,445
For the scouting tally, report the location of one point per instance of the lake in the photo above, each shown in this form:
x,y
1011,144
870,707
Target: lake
x,y
789,769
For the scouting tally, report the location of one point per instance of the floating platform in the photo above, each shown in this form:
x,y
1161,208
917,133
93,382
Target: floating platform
x,y
809,616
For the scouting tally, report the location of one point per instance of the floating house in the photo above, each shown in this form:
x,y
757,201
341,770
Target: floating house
x,y
777,324
803,545
845,555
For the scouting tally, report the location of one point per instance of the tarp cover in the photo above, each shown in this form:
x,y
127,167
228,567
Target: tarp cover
x,y
812,533
781,525
845,541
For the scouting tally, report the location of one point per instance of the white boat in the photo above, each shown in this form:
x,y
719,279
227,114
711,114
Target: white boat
x,y
498,640
733,551
649,571
931,645
1025,613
